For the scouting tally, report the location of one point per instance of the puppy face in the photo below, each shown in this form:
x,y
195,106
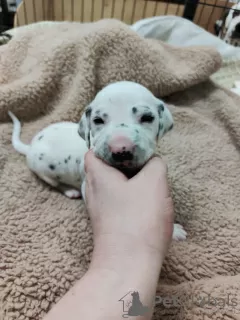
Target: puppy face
x,y
124,123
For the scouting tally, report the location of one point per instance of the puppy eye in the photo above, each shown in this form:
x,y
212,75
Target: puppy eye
x,y
147,118
235,14
98,121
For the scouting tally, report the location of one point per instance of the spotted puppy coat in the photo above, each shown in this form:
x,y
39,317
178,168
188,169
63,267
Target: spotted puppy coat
x,y
55,155
228,28
122,125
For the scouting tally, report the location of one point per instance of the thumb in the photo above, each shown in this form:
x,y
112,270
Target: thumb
x,y
154,171
96,169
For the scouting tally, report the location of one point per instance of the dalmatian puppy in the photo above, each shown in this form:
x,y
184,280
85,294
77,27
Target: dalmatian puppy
x,y
228,29
123,125
55,155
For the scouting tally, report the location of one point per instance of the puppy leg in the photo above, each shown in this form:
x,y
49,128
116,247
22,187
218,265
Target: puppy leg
x,y
72,194
179,233
51,182
66,190
69,191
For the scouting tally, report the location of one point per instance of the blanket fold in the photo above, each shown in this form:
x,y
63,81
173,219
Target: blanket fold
x,y
49,72
49,62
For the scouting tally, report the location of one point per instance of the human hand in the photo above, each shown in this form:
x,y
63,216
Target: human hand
x,y
132,224
137,212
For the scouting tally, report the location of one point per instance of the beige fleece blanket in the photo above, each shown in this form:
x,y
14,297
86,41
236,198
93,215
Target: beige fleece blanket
x,y
49,73
228,74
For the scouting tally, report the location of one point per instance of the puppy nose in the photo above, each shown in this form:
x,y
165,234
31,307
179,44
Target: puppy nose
x,y
121,148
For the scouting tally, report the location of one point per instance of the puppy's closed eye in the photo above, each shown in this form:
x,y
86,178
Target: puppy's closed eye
x,y
147,118
98,121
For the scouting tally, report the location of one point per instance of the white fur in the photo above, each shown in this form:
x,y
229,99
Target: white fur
x,y
117,101
56,154
230,24
230,18
178,232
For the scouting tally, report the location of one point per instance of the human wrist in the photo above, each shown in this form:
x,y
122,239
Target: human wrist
x,y
121,268
124,250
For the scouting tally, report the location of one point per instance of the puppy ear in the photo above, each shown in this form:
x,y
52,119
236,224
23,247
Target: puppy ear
x,y
222,23
84,126
225,15
165,119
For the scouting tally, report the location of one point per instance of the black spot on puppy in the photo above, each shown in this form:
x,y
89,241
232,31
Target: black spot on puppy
x,y
88,111
123,125
136,130
40,138
41,156
134,109
80,128
77,161
105,115
52,166
160,110
97,112
66,160
69,157
160,127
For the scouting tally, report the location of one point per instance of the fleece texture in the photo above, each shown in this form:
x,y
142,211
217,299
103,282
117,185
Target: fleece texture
x,y
228,74
50,72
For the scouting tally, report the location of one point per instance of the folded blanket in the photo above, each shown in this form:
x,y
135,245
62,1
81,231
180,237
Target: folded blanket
x,y
50,72
228,74
182,32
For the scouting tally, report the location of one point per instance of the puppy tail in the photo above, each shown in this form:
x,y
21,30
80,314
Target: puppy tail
x,y
16,142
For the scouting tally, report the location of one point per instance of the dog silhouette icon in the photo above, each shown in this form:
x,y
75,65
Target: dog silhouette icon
x,y
137,308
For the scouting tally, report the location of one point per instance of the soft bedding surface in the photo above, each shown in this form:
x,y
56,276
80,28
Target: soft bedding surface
x,y
181,32
50,72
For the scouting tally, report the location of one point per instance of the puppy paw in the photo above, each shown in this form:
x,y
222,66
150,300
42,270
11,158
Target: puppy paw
x,y
179,234
72,194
